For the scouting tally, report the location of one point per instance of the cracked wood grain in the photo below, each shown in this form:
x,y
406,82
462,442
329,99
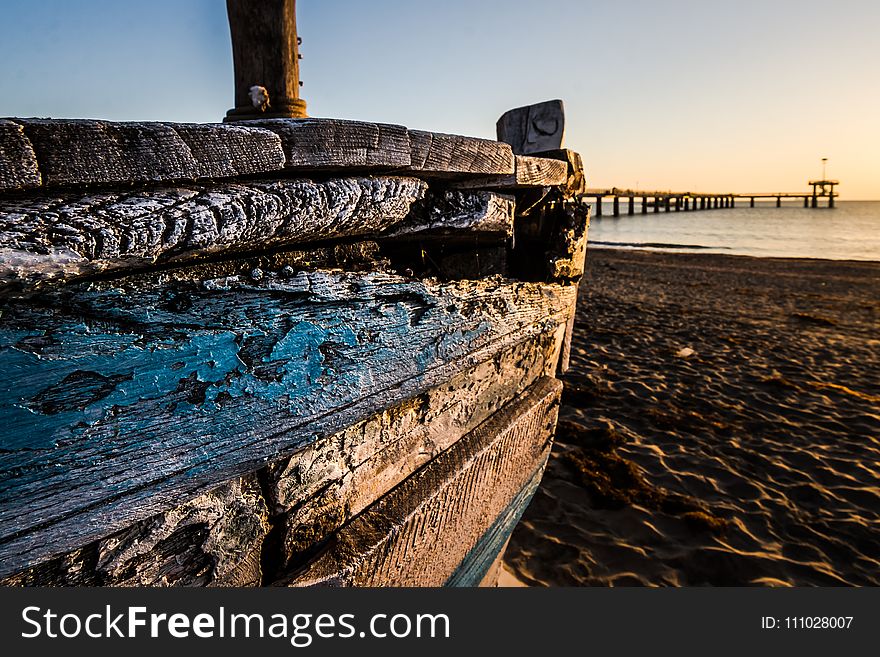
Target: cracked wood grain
x,y
80,151
530,172
61,236
453,156
127,397
329,144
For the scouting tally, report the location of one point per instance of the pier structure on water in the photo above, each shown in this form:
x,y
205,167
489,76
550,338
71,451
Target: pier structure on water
x,y
667,201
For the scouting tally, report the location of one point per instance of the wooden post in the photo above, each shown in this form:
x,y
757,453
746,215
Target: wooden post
x,y
616,206
678,203
733,201
815,198
831,197
752,202
668,203
644,205
656,204
598,206
806,201
265,53
632,205
778,201
702,203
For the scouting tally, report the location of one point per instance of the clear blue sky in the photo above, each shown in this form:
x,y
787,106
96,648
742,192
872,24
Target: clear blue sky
x,y
685,94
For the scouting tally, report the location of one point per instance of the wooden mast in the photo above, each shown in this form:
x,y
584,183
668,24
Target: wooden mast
x,y
265,53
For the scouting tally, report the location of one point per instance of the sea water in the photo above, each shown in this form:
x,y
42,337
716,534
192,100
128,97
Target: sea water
x,y
849,231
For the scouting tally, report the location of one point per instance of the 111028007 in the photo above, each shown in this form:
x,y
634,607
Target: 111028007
x,y
807,622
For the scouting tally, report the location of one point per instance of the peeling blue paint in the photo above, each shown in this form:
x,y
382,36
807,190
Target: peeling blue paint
x,y
176,395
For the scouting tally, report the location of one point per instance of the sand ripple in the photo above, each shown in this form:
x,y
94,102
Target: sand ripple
x,y
754,460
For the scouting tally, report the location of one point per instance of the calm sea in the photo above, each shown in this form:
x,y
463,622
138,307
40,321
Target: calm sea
x,y
850,231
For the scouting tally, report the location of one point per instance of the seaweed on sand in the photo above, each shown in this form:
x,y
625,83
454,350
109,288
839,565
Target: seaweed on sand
x,y
614,482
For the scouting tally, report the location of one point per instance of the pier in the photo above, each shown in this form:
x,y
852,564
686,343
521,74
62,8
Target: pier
x,y
669,201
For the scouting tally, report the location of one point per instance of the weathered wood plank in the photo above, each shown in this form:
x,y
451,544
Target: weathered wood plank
x,y
323,486
454,213
88,152
551,241
217,538
436,154
530,172
330,144
77,152
224,151
18,163
66,235
212,540
125,398
476,569
540,171
533,128
420,533
576,183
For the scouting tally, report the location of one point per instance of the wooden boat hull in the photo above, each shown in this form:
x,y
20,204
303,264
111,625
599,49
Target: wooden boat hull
x,y
339,381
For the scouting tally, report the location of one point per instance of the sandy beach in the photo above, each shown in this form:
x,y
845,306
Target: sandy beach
x,y
720,426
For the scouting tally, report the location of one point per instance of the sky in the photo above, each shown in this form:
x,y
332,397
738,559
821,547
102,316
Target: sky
x,y
687,95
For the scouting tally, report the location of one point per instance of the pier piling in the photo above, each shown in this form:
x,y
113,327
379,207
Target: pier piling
x,y
690,201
